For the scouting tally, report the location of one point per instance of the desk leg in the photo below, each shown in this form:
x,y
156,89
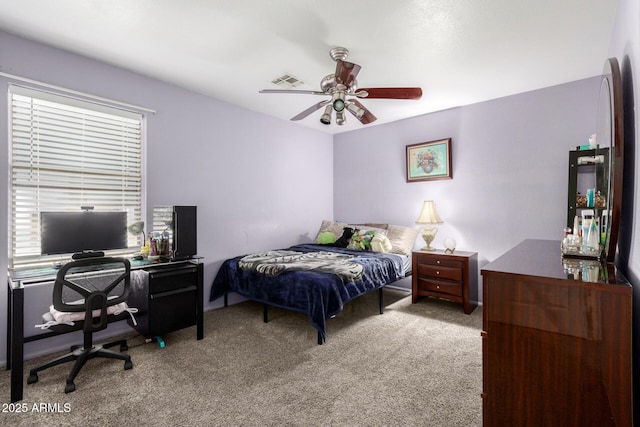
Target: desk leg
x,y
17,342
9,322
200,303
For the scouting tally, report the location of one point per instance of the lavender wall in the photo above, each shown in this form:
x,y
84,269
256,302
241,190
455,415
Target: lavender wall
x,y
510,158
258,182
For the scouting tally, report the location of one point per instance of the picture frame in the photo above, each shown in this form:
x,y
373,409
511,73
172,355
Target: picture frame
x,y
428,161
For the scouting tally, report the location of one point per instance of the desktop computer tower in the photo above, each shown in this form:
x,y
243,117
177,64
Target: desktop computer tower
x,y
176,226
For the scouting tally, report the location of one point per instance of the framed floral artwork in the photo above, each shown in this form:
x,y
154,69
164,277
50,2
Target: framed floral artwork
x,y
429,160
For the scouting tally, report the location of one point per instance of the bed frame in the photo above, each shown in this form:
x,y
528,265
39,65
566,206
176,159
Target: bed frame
x,y
265,310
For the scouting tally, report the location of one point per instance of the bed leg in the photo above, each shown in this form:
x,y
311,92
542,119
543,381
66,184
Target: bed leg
x,y
380,301
265,313
226,300
319,338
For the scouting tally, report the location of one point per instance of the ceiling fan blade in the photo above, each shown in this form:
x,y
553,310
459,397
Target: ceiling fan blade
x,y
367,117
346,72
305,92
393,92
310,110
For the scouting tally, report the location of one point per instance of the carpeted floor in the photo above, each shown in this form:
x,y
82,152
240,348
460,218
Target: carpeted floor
x,y
415,365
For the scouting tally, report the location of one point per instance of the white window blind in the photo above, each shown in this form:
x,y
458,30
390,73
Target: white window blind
x,y
67,153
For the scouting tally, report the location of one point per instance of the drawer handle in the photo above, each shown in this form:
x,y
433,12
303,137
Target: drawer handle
x,y
157,275
438,262
173,292
438,272
437,286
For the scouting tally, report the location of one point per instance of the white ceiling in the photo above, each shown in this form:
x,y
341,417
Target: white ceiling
x,y
458,51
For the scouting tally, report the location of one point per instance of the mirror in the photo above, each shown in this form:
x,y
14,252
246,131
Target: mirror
x,y
610,137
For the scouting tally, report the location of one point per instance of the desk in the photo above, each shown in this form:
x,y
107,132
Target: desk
x,y
18,280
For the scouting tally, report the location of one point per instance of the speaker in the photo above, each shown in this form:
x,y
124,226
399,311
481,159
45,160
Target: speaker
x,y
179,225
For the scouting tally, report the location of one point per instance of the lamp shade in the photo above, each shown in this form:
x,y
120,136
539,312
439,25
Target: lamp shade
x,y
429,215
136,227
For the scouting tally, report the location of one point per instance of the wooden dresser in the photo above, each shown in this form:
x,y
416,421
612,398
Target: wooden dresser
x,y
556,340
449,276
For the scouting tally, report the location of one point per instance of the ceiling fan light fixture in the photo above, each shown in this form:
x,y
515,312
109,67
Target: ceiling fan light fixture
x,y
355,110
338,101
340,120
325,119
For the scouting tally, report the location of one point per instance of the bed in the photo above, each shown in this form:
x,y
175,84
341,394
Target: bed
x,y
319,279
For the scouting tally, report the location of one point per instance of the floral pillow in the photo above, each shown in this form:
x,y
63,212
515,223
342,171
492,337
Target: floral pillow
x,y
361,240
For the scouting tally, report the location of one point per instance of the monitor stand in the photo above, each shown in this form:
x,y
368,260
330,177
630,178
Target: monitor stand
x,y
87,254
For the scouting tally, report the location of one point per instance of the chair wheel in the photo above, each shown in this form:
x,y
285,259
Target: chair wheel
x,y
128,365
70,387
33,378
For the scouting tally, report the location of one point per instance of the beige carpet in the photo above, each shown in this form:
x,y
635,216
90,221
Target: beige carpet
x,y
415,365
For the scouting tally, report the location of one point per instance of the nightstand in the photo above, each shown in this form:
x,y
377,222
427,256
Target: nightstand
x,y
453,277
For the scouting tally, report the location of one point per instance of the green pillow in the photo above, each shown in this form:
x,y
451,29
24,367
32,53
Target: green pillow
x,y
326,238
361,240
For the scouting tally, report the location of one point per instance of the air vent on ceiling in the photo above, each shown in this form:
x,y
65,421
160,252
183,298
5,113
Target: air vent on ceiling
x,y
288,81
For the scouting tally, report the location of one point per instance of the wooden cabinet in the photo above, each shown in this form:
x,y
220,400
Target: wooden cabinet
x,y
450,276
556,348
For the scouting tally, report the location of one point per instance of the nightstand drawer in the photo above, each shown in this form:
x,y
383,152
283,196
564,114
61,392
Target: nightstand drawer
x,y
440,272
448,288
440,262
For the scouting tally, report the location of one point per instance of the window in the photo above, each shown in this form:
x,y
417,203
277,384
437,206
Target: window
x,y
68,153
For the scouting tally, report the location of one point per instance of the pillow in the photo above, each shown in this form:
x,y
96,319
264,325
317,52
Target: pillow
x,y
332,226
402,239
381,243
326,238
370,227
361,240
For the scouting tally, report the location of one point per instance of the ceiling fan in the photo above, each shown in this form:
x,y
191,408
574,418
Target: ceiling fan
x,y
342,87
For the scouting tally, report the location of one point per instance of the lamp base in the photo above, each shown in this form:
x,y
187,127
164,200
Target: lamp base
x,y
428,234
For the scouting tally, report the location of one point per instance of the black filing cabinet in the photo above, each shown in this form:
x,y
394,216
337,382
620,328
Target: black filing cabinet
x,y
169,301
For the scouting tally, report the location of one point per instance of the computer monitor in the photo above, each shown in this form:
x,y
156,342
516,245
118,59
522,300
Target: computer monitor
x,y
76,232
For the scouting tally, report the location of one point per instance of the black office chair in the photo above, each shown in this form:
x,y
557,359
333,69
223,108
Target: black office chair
x,y
89,285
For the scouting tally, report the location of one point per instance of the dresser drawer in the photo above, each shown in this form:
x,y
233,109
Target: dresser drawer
x,y
448,288
440,271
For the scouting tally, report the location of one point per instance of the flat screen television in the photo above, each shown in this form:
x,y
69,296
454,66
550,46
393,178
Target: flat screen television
x,y
76,232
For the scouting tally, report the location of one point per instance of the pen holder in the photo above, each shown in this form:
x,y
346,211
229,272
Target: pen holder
x,y
159,246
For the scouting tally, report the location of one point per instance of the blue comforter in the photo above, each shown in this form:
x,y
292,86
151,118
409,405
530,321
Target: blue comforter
x,y
320,295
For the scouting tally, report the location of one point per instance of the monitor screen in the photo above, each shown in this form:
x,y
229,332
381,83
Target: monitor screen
x,y
71,232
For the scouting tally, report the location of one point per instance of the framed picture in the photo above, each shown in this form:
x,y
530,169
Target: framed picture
x,y
429,160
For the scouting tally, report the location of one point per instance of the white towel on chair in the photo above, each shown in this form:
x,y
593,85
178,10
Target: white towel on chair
x,y
68,317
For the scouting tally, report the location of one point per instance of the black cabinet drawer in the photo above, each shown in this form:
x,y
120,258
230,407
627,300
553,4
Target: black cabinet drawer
x,y
161,281
171,313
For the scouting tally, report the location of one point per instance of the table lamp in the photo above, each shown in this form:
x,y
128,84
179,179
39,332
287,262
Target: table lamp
x,y
137,228
429,217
